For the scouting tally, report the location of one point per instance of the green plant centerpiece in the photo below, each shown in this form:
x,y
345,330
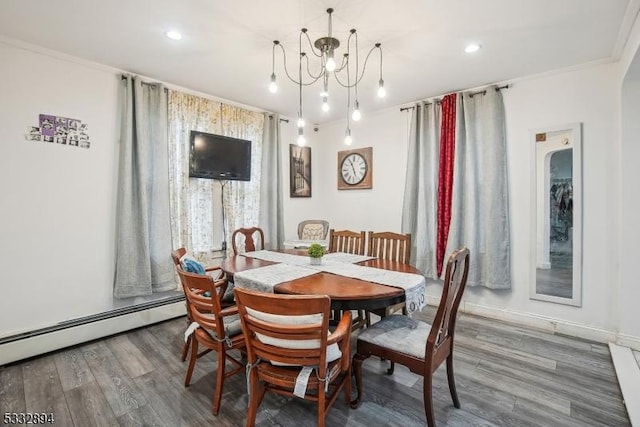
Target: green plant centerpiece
x,y
316,251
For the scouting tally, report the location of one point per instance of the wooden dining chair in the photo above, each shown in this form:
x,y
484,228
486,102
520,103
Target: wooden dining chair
x,y
416,344
217,329
390,246
351,242
217,274
313,229
393,247
247,240
284,335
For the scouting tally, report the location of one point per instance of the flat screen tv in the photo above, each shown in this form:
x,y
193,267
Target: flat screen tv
x,y
219,157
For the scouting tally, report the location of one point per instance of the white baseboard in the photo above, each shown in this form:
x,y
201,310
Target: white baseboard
x,y
545,323
628,373
44,343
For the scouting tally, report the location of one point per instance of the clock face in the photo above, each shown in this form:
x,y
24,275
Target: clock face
x,y
353,169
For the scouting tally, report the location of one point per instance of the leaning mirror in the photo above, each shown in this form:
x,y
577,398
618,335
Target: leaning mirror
x,y
557,221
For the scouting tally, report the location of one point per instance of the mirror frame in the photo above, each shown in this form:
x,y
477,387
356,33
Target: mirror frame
x,y
576,136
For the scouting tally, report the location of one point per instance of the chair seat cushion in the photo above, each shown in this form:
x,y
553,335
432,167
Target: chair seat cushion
x,y
400,333
228,295
232,324
333,350
287,375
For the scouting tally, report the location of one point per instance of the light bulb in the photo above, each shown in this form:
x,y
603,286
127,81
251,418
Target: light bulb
x,y
300,122
174,35
331,63
381,91
301,141
273,87
356,115
347,137
473,47
325,104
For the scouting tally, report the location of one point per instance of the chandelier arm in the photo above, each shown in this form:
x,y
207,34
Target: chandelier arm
x,y
348,86
313,49
345,58
284,62
300,72
343,64
357,65
316,78
364,67
286,71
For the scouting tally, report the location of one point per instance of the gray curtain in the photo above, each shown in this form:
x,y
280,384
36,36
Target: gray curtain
x,y
143,239
421,186
271,211
480,208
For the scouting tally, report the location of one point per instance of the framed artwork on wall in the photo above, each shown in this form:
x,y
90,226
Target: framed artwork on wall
x,y
355,169
299,171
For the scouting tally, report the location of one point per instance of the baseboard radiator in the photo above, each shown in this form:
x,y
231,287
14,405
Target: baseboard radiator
x,y
76,331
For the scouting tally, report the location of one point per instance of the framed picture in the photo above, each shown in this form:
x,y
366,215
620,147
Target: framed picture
x,y
355,169
299,171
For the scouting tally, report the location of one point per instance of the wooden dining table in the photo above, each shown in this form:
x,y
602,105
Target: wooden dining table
x,y
346,293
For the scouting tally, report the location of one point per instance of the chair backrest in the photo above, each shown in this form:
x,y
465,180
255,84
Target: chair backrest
x,y
204,309
285,329
443,326
176,255
390,246
244,240
351,242
313,229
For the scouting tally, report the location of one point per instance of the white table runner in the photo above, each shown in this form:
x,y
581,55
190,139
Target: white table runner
x,y
293,267
303,260
265,278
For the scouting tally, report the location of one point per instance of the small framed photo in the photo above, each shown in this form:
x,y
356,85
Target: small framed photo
x,y
299,171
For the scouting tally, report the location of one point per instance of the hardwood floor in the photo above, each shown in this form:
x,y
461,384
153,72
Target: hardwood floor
x,y
506,375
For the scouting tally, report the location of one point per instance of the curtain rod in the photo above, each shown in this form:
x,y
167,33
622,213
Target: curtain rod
x,y
124,77
282,120
166,90
471,95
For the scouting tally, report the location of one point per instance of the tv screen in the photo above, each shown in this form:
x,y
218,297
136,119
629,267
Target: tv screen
x,y
219,157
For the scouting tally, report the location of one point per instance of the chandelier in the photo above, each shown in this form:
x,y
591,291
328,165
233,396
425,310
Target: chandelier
x,y
347,74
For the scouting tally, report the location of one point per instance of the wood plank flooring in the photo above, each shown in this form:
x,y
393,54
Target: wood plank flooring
x,y
506,375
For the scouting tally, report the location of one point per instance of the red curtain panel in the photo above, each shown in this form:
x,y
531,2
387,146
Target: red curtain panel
x,y
445,178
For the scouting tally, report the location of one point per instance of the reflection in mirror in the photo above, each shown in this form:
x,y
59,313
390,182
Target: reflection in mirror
x,y
556,273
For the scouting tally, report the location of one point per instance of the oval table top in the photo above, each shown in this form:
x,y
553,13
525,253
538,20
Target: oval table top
x,y
346,293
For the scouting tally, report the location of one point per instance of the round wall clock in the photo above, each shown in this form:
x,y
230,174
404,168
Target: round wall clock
x,y
355,169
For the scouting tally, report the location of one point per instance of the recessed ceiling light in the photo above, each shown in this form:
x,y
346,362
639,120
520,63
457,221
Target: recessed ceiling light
x,y
174,35
473,47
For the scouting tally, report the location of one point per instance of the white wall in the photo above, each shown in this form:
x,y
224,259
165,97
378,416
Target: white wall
x,y
588,96
629,175
58,201
375,209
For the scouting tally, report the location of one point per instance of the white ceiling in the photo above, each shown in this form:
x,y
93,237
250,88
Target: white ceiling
x,y
226,49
